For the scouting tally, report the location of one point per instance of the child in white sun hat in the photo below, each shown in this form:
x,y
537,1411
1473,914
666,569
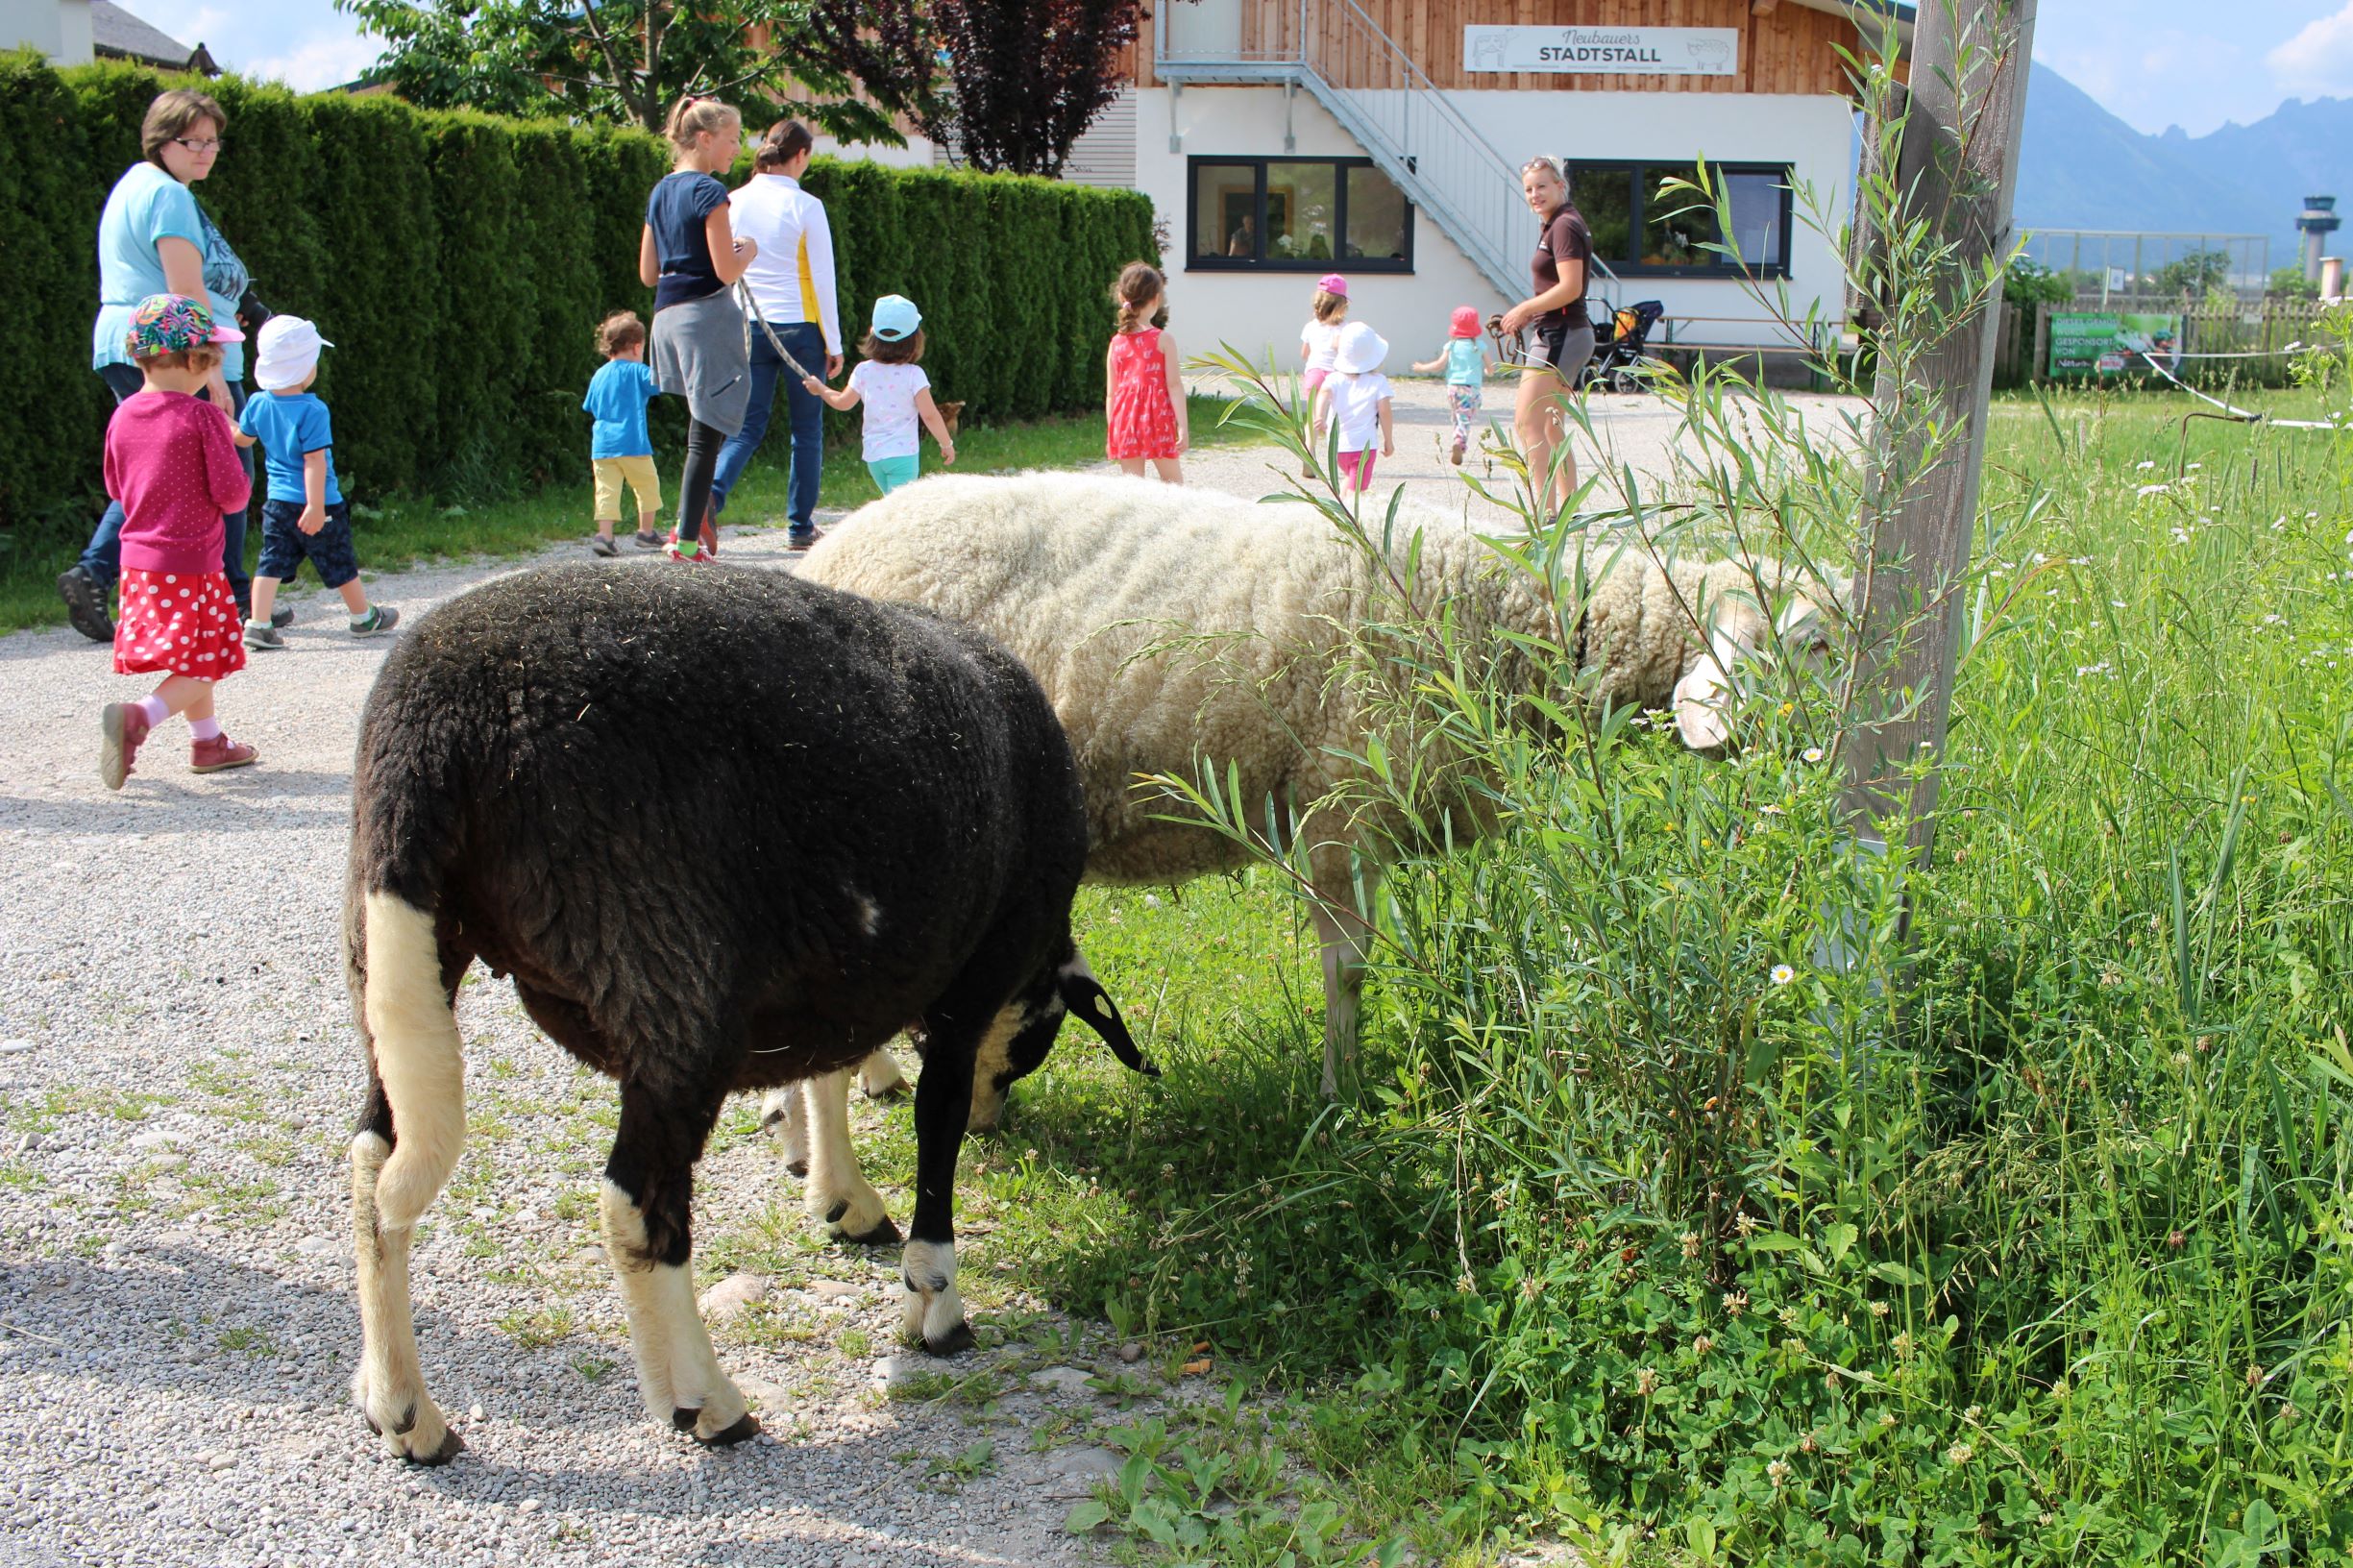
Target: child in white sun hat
x,y
1357,399
305,516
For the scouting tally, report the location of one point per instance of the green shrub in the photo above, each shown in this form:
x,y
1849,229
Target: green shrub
x,y
461,262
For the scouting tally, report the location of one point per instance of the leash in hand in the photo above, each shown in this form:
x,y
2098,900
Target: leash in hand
x,y
800,370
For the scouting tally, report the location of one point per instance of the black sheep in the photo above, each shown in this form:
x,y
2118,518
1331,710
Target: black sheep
x,y
726,830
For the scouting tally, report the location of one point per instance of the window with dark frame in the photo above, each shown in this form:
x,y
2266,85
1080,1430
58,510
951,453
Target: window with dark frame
x,y
1295,214
1642,230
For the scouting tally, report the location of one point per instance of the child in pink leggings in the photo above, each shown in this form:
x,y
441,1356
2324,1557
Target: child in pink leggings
x,y
1357,399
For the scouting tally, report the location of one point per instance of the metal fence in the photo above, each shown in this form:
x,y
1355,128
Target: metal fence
x,y
2110,261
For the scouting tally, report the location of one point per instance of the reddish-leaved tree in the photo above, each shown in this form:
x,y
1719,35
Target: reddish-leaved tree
x,y
1028,77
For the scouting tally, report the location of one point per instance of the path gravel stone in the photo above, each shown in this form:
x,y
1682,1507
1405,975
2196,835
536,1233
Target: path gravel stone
x,y
177,1079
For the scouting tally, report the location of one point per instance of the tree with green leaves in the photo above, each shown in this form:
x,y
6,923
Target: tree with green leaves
x,y
2291,283
1029,76
2194,274
847,67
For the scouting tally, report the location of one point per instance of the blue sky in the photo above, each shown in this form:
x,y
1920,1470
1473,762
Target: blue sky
x,y
2152,62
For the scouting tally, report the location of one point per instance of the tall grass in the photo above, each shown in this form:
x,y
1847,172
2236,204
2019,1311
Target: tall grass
x,y
1722,1192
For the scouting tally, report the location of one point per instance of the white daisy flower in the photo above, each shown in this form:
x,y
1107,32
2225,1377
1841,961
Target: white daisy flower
x,y
1783,974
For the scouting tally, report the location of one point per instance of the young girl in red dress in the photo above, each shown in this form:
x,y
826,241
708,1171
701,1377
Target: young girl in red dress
x,y
172,462
1143,392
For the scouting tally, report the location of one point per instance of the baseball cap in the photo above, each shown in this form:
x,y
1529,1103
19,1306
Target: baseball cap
x,y
896,317
1332,283
285,351
1360,349
166,323
1466,322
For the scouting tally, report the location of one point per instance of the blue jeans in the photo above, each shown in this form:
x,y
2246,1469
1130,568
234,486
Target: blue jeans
x,y
103,557
804,342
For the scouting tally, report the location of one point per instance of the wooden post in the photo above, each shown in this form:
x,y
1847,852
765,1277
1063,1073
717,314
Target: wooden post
x,y
1958,163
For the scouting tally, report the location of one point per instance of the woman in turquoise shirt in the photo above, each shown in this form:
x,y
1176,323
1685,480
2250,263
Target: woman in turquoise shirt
x,y
153,239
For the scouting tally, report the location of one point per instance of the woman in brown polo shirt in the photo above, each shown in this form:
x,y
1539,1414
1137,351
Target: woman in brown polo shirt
x,y
1560,334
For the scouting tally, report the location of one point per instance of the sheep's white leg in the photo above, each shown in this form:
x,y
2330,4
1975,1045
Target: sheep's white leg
x,y
677,1369
784,1115
880,1076
389,1387
838,1192
932,1311
1344,938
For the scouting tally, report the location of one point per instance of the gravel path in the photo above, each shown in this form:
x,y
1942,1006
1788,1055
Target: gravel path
x,y
176,1084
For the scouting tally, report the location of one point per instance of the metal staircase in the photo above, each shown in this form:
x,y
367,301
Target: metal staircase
x,y
1411,129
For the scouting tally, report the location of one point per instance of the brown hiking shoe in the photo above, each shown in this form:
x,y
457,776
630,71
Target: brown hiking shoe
x,y
121,728
218,754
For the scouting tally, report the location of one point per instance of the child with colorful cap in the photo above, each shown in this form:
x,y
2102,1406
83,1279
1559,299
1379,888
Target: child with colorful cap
x,y
171,459
1466,369
305,516
890,381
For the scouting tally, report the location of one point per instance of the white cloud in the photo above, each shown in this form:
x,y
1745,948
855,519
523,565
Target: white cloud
x,y
2318,62
319,61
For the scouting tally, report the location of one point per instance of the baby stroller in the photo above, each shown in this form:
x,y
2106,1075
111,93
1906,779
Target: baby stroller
x,y
1620,347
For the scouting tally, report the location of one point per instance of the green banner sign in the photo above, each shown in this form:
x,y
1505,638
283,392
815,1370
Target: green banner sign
x,y
2103,343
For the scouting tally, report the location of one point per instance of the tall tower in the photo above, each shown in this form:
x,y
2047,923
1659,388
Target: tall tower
x,y
2317,221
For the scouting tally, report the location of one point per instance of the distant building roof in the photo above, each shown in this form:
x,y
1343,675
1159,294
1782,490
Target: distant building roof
x,y
117,35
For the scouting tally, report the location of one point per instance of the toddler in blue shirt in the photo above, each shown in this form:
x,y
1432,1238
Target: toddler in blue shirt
x,y
305,516
1466,368
619,447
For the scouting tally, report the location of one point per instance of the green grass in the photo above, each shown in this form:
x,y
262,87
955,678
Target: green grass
x,y
396,532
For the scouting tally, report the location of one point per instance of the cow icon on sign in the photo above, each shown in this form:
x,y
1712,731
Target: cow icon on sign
x,y
1487,50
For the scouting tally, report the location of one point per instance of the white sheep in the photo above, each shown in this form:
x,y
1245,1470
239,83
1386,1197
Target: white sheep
x,y
1177,631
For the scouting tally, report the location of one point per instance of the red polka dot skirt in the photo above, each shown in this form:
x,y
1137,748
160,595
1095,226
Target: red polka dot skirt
x,y
179,624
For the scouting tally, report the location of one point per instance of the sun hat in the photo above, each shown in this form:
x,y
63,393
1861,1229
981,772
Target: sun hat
x,y
896,317
285,350
1332,283
168,322
1360,349
1465,321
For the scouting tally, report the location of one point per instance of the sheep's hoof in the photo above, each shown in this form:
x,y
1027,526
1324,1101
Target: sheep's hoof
x,y
955,1343
452,1445
883,1235
798,1168
748,1427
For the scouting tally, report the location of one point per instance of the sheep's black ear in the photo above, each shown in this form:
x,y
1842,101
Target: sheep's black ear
x,y
1090,1003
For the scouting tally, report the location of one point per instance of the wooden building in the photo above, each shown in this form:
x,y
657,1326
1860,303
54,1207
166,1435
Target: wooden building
x,y
1383,138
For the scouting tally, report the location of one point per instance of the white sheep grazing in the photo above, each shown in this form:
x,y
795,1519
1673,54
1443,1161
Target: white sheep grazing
x,y
1173,628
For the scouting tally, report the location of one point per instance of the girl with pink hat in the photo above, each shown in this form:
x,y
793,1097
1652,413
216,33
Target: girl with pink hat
x,y
1320,338
1466,370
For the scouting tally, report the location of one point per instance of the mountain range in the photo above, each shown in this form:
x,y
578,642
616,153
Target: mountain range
x,y
2081,168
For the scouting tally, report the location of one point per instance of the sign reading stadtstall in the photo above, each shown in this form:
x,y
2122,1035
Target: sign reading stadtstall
x,y
1628,51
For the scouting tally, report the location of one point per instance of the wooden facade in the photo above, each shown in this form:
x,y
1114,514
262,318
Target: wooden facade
x,y
1784,47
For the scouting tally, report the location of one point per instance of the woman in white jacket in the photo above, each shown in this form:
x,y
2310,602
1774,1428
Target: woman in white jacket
x,y
792,281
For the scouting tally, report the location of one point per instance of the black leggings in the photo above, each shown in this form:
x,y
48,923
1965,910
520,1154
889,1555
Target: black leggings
x,y
703,444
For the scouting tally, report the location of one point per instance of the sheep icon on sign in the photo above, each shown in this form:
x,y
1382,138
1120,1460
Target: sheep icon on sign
x,y
1712,56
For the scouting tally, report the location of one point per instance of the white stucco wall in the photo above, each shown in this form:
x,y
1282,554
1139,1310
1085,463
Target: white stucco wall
x,y
1260,309
59,29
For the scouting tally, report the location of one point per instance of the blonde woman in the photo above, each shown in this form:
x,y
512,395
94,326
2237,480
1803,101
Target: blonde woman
x,y
690,258
1559,334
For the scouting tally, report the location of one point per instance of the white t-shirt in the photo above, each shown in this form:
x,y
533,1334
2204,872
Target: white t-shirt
x,y
1355,407
1323,340
893,428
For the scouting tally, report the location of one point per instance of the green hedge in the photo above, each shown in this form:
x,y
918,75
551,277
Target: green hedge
x,y
461,262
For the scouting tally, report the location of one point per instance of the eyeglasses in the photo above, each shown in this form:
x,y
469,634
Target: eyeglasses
x,y
212,146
